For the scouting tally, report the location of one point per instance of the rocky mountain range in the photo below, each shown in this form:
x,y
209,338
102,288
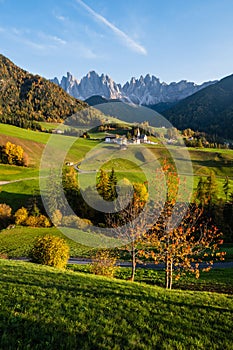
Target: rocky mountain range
x,y
146,90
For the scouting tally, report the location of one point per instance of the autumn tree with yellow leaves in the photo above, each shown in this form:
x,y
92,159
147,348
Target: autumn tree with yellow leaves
x,y
12,154
182,237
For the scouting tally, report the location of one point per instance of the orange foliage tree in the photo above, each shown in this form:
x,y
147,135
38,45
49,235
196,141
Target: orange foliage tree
x,y
182,237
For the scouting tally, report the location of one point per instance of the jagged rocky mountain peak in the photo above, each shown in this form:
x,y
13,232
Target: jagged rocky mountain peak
x,y
145,90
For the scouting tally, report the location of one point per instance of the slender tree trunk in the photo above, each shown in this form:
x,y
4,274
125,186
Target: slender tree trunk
x,y
170,273
133,269
167,272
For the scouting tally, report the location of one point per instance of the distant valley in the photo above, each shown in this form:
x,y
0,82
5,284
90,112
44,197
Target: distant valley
x,y
206,108
26,99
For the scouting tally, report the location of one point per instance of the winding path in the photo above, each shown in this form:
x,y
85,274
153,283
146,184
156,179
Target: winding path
x,y
7,182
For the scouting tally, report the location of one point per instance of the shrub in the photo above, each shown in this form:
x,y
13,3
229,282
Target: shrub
x,y
69,221
103,263
32,221
21,216
50,250
43,221
37,221
3,256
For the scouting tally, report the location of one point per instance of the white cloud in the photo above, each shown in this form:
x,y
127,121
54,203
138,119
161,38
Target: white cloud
x,y
129,42
60,18
54,38
58,40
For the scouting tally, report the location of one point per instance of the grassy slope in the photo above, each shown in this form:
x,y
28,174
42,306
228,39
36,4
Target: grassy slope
x,y
18,241
43,308
14,131
203,162
13,172
34,142
16,194
216,280
220,161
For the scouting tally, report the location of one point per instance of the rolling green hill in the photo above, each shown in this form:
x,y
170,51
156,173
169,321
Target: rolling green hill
x,y
131,113
209,110
31,97
203,160
45,308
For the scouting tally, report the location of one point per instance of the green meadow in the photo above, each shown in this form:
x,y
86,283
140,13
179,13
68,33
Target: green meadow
x,y
218,280
13,172
137,163
18,241
14,131
45,308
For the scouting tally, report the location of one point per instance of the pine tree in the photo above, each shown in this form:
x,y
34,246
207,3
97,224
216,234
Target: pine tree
x,y
112,183
103,185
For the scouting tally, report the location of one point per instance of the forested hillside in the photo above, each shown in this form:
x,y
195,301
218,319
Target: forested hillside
x,y
209,110
24,97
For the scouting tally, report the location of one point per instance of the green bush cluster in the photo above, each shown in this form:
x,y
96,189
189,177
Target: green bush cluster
x,y
103,263
50,250
22,217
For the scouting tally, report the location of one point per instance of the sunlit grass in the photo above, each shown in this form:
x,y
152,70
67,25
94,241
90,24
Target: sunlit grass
x,y
18,242
44,308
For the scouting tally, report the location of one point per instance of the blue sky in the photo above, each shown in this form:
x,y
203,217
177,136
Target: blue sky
x,y
171,39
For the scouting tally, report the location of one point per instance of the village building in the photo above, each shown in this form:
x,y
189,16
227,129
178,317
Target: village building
x,y
110,138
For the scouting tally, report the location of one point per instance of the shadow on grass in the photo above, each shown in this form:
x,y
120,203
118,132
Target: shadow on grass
x,y
21,332
211,163
79,312
14,200
94,287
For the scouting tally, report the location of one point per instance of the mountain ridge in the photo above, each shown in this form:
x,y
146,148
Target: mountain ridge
x,y
146,90
209,110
